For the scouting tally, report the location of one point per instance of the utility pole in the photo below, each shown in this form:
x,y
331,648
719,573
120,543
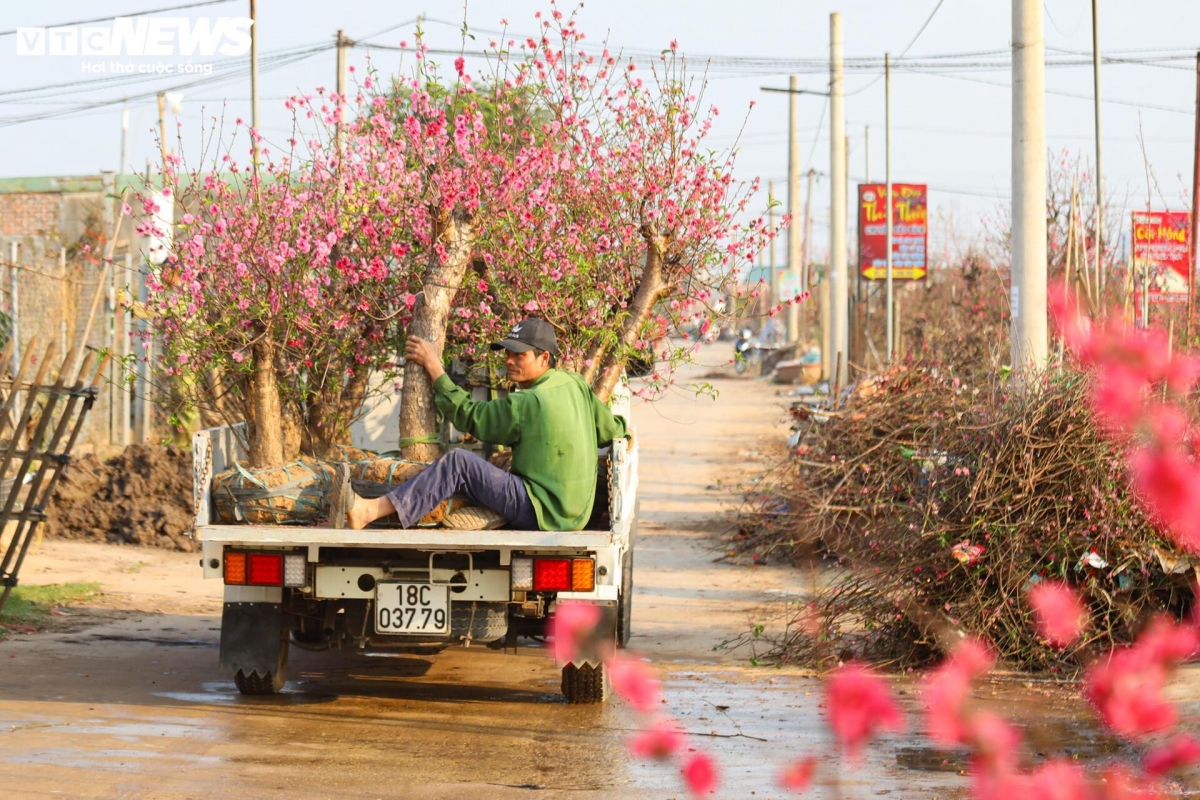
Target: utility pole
x,y
253,83
773,281
825,303
343,80
162,128
797,264
858,272
793,234
124,134
1100,279
840,298
823,289
806,276
1028,301
889,298
1191,305
867,151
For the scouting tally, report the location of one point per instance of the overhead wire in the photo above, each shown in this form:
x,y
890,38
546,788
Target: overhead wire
x,y
115,16
1077,96
209,80
907,47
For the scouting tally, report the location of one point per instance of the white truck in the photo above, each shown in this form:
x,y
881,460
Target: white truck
x,y
414,590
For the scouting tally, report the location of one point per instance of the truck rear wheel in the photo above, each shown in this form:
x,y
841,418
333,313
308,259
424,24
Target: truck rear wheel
x,y
625,600
625,595
585,684
255,684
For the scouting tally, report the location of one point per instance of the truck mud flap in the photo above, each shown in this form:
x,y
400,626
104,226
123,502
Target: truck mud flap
x,y
251,638
602,641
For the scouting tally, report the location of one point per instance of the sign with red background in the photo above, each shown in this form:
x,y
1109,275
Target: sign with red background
x,y
910,230
1160,247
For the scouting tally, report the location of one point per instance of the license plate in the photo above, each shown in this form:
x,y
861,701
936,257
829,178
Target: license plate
x,y
412,608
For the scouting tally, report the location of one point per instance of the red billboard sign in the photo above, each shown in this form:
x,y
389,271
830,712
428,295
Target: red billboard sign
x,y
1160,252
910,230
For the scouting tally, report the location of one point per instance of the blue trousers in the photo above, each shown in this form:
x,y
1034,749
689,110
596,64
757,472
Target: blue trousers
x,y
463,472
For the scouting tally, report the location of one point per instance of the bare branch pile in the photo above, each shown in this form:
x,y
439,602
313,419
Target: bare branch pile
x,y
942,499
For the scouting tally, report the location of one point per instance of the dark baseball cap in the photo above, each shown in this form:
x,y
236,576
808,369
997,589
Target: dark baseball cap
x,y
529,334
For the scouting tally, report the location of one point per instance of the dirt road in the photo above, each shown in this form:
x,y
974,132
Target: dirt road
x,y
127,701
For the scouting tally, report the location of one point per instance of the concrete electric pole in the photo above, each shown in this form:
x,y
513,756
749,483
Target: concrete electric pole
x,y
793,234
254,82
840,296
343,81
773,280
889,297
1099,149
162,127
1028,301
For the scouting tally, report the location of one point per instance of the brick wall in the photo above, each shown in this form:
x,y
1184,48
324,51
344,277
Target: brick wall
x,y
29,213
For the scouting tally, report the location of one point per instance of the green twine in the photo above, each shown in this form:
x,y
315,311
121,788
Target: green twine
x,y
428,438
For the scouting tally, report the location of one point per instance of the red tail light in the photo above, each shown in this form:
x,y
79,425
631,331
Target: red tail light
x,y
264,569
552,575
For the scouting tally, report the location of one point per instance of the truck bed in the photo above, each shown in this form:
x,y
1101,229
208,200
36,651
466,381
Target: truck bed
x,y
441,538
216,449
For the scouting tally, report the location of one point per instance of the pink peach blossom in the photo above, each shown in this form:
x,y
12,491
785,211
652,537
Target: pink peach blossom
x,y
859,705
798,775
570,625
700,774
634,682
660,741
1060,613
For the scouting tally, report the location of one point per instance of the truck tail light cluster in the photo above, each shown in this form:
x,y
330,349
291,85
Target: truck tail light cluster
x,y
553,574
264,569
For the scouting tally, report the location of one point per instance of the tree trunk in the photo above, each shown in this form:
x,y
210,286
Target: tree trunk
x,y
418,416
650,287
330,417
593,359
265,413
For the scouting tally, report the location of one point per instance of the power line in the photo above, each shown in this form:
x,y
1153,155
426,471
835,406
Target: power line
x,y
202,81
756,65
75,86
1087,97
925,25
115,16
230,69
779,136
911,42
386,30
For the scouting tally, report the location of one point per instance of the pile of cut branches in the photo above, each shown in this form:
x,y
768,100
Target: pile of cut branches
x,y
943,500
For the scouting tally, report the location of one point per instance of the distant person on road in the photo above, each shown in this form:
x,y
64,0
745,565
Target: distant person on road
x,y
554,425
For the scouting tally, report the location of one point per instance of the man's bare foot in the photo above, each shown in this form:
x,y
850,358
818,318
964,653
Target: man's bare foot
x,y
364,511
356,516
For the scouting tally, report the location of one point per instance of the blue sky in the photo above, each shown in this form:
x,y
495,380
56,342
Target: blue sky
x,y
950,132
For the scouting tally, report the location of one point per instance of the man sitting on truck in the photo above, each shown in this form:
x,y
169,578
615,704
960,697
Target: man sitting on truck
x,y
554,425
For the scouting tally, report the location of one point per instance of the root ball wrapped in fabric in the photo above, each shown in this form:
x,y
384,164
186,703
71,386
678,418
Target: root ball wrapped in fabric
x,y
385,471
295,492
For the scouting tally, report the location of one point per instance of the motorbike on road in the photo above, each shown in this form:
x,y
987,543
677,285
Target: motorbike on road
x,y
748,350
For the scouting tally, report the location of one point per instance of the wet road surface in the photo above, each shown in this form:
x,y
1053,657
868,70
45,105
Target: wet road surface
x,y
130,702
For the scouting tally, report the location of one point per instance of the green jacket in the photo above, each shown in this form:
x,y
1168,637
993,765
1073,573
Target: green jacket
x,y
553,428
